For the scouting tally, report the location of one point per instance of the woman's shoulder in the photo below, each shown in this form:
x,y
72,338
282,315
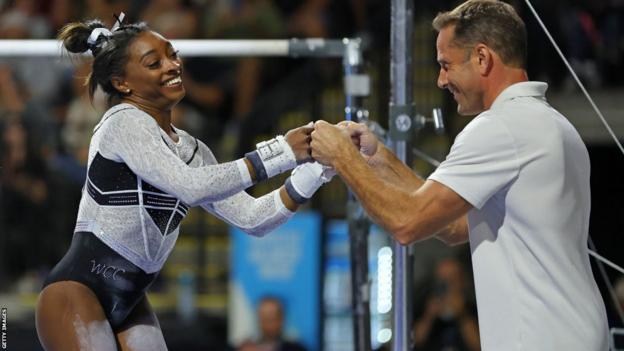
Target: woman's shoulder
x,y
124,115
187,138
127,110
181,132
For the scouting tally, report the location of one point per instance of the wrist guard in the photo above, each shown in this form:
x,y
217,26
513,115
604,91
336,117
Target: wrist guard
x,y
271,158
306,179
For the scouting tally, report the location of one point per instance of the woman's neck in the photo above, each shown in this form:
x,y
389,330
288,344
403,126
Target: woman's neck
x,y
162,117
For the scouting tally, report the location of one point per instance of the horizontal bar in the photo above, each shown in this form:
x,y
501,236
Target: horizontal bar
x,y
200,47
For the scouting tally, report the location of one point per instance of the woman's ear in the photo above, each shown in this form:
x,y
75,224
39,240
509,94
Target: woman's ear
x,y
121,85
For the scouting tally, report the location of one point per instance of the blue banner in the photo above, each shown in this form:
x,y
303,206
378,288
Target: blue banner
x,y
284,264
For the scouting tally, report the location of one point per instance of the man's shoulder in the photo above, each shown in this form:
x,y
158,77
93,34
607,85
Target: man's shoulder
x,y
487,123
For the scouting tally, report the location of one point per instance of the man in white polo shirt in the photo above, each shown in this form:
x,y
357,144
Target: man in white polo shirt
x,y
515,184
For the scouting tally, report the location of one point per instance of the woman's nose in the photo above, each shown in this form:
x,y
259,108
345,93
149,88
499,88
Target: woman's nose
x,y
173,64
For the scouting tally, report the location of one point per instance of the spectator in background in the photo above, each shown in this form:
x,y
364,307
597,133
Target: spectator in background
x,y
610,21
614,318
305,18
271,324
11,93
28,84
16,103
22,20
25,193
280,83
240,80
82,115
105,9
174,19
449,320
619,291
582,39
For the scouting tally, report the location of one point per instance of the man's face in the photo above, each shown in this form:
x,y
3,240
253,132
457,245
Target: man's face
x,y
270,319
459,73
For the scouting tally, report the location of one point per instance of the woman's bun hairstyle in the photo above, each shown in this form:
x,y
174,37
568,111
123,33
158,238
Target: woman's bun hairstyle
x,y
75,36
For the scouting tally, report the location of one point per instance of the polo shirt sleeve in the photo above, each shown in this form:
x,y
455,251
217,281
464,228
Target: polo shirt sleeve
x,y
482,161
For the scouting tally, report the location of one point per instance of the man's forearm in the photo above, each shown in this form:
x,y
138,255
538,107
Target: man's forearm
x,y
455,233
387,166
393,171
390,204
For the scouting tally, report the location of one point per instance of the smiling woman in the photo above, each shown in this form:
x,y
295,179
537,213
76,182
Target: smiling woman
x,y
152,80
143,175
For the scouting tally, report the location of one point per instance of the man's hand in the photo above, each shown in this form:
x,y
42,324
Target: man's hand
x,y
361,137
299,141
330,143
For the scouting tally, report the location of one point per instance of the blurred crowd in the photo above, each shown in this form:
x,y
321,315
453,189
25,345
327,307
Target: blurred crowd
x,y
590,34
46,120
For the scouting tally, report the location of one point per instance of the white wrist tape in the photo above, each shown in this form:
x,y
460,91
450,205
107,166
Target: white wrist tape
x,y
272,157
306,179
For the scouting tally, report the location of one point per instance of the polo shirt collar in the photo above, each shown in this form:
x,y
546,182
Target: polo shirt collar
x,y
522,89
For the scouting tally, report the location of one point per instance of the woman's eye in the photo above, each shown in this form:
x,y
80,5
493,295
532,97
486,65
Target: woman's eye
x,y
153,64
175,54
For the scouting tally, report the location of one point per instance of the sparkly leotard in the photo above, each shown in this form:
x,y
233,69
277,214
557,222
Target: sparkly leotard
x,y
140,185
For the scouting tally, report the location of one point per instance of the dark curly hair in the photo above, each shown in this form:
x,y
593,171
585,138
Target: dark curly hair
x,y
110,53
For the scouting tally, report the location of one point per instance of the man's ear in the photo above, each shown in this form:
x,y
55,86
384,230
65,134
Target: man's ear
x,y
121,85
484,57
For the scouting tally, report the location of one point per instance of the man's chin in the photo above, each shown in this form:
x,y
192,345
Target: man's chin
x,y
466,111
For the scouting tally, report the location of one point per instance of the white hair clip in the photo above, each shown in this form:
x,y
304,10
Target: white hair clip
x,y
95,35
120,19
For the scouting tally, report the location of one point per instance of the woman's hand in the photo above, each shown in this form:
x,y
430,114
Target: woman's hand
x,y
299,141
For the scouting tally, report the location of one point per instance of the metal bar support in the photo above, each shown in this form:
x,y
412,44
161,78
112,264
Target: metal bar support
x,y
356,87
400,125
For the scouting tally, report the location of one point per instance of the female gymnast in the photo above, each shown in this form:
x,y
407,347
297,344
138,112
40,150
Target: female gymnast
x,y
143,176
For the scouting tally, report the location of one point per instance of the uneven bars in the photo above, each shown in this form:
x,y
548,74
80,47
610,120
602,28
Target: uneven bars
x,y
199,47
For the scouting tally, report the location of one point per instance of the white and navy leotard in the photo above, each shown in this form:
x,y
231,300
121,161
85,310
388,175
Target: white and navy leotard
x,y
140,185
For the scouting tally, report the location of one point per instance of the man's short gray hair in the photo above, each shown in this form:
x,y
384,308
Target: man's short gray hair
x,y
491,22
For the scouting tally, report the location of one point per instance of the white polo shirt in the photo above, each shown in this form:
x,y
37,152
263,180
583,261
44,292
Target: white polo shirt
x,y
525,170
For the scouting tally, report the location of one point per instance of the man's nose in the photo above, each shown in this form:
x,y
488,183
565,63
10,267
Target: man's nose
x,y
442,79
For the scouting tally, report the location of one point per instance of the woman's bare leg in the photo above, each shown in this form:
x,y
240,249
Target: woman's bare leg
x,y
141,331
70,317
